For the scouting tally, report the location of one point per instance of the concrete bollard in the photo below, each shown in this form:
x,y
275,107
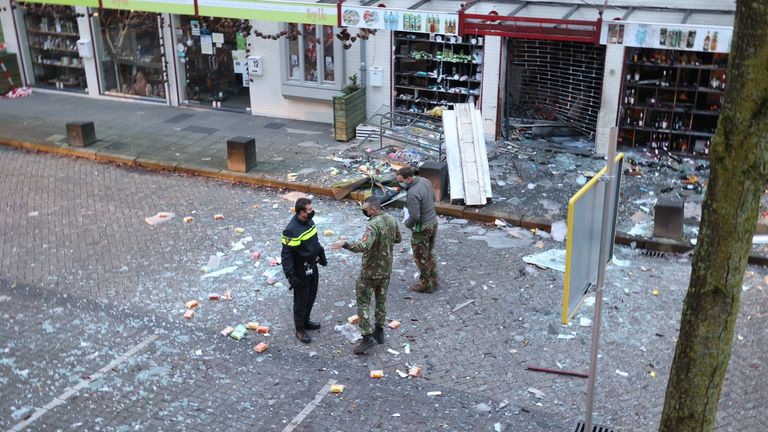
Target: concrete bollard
x,y
81,134
668,218
241,154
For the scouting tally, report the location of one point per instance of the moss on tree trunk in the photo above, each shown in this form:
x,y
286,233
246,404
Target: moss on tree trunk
x,y
729,215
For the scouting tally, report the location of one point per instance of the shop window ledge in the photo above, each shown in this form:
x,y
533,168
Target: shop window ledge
x,y
309,92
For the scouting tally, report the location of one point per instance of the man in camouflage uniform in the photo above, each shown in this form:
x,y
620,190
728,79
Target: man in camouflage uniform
x,y
422,220
376,245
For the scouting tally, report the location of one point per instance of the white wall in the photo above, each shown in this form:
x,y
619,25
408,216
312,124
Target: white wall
x,y
491,85
9,32
609,103
266,95
379,54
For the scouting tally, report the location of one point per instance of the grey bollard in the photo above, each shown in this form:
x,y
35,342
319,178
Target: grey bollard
x,y
241,154
437,173
81,134
668,218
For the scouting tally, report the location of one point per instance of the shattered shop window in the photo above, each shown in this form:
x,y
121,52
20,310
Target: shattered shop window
x,y
311,55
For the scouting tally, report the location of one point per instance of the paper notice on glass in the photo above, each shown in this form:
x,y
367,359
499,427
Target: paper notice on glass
x,y
206,44
239,62
195,24
218,38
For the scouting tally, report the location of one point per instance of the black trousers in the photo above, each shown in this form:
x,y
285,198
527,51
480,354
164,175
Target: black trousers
x,y
304,296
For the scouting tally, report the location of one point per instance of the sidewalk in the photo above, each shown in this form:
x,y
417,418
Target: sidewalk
x,y
532,184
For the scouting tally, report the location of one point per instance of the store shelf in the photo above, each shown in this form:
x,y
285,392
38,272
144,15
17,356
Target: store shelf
x,y
436,60
696,112
38,47
58,65
412,74
53,33
129,62
443,42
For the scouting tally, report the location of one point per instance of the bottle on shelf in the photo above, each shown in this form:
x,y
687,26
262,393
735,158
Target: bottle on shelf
x,y
664,122
707,42
640,122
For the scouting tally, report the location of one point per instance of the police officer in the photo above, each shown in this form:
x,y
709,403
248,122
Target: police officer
x,y
376,245
300,256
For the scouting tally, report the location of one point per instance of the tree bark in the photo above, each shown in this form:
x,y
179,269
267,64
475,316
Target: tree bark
x,y
729,216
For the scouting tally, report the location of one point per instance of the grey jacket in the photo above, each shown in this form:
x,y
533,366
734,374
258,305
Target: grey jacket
x,y
421,205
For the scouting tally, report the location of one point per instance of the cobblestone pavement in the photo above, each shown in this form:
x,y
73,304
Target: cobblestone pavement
x,y
86,280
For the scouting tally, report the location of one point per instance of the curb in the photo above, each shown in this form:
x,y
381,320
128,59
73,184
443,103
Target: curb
x,y
445,209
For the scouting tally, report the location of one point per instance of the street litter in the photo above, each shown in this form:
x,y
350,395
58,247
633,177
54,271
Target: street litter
x,y
652,374
564,336
293,196
192,304
622,373
252,326
552,259
227,331
536,392
559,230
349,331
520,233
354,319
218,217
620,262
556,371
337,388
655,292
262,329
500,223
414,372
377,374
189,314
462,305
239,332
274,262
256,255
394,324
240,245
434,393
188,219
239,230
395,415
223,271
261,347
228,295
391,351
159,218
407,348
401,373
328,233
585,322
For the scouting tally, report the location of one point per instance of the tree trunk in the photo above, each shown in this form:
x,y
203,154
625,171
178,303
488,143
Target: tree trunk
x,y
729,215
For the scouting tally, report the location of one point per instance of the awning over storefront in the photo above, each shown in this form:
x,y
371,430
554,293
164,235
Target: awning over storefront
x,y
89,3
181,7
580,21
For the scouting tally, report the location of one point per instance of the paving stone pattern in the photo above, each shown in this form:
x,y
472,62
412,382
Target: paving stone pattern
x,y
86,278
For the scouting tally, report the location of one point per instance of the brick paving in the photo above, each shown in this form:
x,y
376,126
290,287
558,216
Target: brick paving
x,y
92,278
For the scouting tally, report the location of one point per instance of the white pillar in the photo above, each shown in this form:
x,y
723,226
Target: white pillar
x,y
491,85
609,103
89,64
9,32
171,62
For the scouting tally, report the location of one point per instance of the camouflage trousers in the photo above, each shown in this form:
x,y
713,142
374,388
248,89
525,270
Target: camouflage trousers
x,y
423,244
364,289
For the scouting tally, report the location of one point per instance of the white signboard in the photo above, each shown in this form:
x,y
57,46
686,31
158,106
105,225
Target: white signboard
x,y
399,19
667,36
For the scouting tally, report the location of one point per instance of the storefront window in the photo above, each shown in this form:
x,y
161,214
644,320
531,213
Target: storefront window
x,y
213,56
130,54
311,58
52,35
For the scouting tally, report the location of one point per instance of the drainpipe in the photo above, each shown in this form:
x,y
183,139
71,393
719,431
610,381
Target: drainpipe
x,y
363,59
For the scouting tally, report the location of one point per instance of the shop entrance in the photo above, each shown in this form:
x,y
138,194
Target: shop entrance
x,y
556,85
212,60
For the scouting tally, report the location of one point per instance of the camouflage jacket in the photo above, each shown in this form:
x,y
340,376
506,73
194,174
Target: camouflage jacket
x,y
376,245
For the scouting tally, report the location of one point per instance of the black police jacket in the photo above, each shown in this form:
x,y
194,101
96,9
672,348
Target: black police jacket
x,y
300,245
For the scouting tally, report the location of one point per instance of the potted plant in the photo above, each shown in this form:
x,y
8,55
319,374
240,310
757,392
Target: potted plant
x,y
348,110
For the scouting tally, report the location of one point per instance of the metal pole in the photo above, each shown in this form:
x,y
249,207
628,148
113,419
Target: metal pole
x,y
604,247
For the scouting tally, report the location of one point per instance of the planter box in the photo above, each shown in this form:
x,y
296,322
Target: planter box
x,y
348,112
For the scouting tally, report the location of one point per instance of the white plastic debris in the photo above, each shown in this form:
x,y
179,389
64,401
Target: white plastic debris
x,y
434,393
159,218
622,373
559,230
536,392
585,322
393,352
349,331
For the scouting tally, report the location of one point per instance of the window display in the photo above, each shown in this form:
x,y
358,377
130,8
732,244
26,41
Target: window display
x,y
311,56
52,35
130,54
213,56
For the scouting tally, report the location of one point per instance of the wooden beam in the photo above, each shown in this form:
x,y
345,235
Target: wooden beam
x,y
571,11
687,15
627,14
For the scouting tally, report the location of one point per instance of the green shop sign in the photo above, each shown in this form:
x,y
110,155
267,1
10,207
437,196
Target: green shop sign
x,y
275,11
179,7
89,3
